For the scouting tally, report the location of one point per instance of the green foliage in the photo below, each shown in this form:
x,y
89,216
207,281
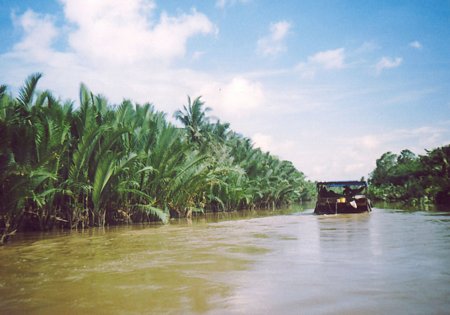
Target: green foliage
x,y
99,164
410,178
194,119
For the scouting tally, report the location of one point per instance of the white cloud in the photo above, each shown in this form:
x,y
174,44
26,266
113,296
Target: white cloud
x,y
197,55
335,157
369,141
242,95
409,96
267,143
367,47
329,60
273,43
262,141
415,44
234,99
39,34
224,3
123,32
417,139
387,63
306,70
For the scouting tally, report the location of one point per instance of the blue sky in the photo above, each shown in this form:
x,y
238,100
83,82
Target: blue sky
x,y
329,85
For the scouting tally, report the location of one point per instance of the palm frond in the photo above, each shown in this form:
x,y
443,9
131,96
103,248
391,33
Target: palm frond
x,y
105,169
3,89
26,93
157,212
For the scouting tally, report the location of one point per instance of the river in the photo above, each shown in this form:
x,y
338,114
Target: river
x,y
386,262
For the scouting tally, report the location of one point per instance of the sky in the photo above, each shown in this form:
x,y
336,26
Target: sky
x,y
329,85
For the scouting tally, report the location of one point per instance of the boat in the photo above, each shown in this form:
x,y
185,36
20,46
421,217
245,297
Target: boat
x,y
342,197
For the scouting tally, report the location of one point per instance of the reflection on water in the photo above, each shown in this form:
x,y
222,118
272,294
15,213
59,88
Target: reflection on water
x,y
378,263
407,207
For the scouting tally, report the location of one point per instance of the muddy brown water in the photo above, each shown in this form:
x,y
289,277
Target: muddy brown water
x,y
386,262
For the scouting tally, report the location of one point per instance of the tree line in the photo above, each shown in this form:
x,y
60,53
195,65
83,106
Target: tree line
x,y
94,164
411,178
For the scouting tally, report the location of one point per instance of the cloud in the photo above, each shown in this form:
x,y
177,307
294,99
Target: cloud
x,y
370,147
329,60
197,55
123,32
415,44
262,141
367,47
416,139
273,43
224,3
236,98
39,34
387,63
113,32
369,141
269,144
410,96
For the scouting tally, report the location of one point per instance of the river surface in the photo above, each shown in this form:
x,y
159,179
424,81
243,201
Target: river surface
x,y
386,262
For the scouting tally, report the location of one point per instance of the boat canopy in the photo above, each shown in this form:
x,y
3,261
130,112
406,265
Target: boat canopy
x,y
342,183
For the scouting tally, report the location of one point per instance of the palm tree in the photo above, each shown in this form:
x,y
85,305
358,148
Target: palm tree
x,y
31,148
194,119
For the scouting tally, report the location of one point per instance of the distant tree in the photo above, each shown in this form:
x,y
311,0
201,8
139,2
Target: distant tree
x,y
407,177
436,165
406,156
384,167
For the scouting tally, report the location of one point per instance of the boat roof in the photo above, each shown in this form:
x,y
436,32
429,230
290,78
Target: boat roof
x,y
342,183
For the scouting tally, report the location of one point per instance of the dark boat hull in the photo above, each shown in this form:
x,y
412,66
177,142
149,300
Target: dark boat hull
x,y
333,206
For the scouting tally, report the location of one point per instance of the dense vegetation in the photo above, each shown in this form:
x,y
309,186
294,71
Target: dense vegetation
x,y
97,164
410,178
